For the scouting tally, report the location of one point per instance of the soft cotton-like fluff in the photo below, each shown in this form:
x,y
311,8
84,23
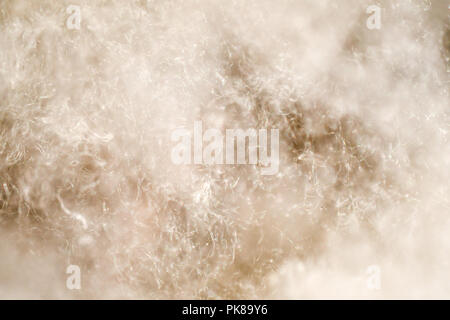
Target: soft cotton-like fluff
x,y
360,204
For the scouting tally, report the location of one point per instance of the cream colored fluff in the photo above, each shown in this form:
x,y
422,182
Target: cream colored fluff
x,y
86,178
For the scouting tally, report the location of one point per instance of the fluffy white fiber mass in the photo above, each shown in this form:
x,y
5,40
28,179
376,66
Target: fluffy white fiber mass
x,y
86,177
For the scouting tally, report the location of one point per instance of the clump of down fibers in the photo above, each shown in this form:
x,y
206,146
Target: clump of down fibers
x,y
86,178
